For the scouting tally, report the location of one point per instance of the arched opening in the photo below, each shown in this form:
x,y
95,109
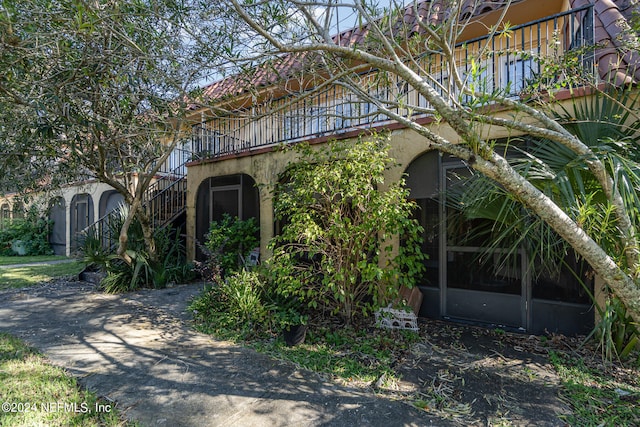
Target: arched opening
x,y
5,214
57,214
81,216
465,282
423,181
18,210
236,195
109,201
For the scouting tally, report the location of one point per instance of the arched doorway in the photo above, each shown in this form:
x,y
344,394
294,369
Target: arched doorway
x,y
18,210
424,184
58,215
109,201
463,282
5,214
236,195
81,215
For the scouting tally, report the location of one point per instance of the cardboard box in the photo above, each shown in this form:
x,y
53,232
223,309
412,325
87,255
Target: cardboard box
x,y
413,297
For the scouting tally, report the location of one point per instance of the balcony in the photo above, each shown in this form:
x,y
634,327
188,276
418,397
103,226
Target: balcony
x,y
506,64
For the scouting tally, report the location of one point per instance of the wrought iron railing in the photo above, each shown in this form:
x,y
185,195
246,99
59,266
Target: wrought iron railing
x,y
511,61
165,200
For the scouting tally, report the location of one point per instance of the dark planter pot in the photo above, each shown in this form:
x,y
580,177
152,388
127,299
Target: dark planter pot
x,y
294,335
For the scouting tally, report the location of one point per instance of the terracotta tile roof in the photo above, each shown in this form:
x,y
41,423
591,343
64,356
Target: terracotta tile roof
x,y
615,62
610,16
287,65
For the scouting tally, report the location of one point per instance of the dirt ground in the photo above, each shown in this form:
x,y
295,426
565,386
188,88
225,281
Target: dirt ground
x,y
482,377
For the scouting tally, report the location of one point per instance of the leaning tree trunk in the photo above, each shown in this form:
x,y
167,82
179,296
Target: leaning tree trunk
x,y
621,283
147,232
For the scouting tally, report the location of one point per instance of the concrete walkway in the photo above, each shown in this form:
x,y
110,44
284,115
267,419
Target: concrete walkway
x,y
138,350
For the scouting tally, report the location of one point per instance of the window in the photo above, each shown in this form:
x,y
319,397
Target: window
x,y
517,70
293,125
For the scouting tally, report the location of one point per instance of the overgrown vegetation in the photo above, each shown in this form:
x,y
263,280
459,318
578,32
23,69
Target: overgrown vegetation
x,y
596,397
605,122
616,333
361,355
335,262
138,270
234,308
26,236
336,253
27,379
230,241
358,356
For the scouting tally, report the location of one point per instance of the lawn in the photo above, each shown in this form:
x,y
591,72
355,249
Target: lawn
x,y
35,393
19,277
11,260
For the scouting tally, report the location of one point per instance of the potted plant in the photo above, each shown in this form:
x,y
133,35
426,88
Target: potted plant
x,y
293,325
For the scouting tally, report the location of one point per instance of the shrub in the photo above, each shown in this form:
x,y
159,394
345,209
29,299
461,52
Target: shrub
x,y
338,225
236,304
171,265
230,241
33,231
618,336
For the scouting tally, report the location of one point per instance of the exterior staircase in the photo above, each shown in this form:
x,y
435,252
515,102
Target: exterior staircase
x,y
165,199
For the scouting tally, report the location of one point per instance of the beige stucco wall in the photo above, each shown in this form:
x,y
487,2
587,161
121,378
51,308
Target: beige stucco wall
x,y
41,201
266,167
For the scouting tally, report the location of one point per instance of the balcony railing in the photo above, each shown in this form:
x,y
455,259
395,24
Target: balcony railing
x,y
506,63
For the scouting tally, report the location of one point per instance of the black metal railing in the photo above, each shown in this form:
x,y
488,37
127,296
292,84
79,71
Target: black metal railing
x,y
165,200
506,63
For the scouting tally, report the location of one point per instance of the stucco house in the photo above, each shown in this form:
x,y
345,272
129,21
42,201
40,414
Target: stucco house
x,y
238,161
233,161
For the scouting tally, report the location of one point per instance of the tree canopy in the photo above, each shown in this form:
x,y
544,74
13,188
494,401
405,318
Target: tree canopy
x,y
97,90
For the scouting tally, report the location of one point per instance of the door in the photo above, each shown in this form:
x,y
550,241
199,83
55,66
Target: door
x,y
58,215
226,199
477,286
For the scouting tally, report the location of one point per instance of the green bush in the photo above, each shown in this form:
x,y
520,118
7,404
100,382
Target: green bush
x,y
336,252
235,305
141,272
617,334
230,241
33,231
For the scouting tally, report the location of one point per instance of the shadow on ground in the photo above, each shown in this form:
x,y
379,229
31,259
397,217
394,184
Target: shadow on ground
x,y
139,351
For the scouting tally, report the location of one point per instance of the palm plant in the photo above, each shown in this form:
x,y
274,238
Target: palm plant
x,y
605,122
140,271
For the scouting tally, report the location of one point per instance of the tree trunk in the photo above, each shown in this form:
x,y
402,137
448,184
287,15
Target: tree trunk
x,y
147,232
613,275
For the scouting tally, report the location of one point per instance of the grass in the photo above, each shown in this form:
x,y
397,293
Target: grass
x,y
351,356
596,397
360,356
11,260
20,277
35,393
